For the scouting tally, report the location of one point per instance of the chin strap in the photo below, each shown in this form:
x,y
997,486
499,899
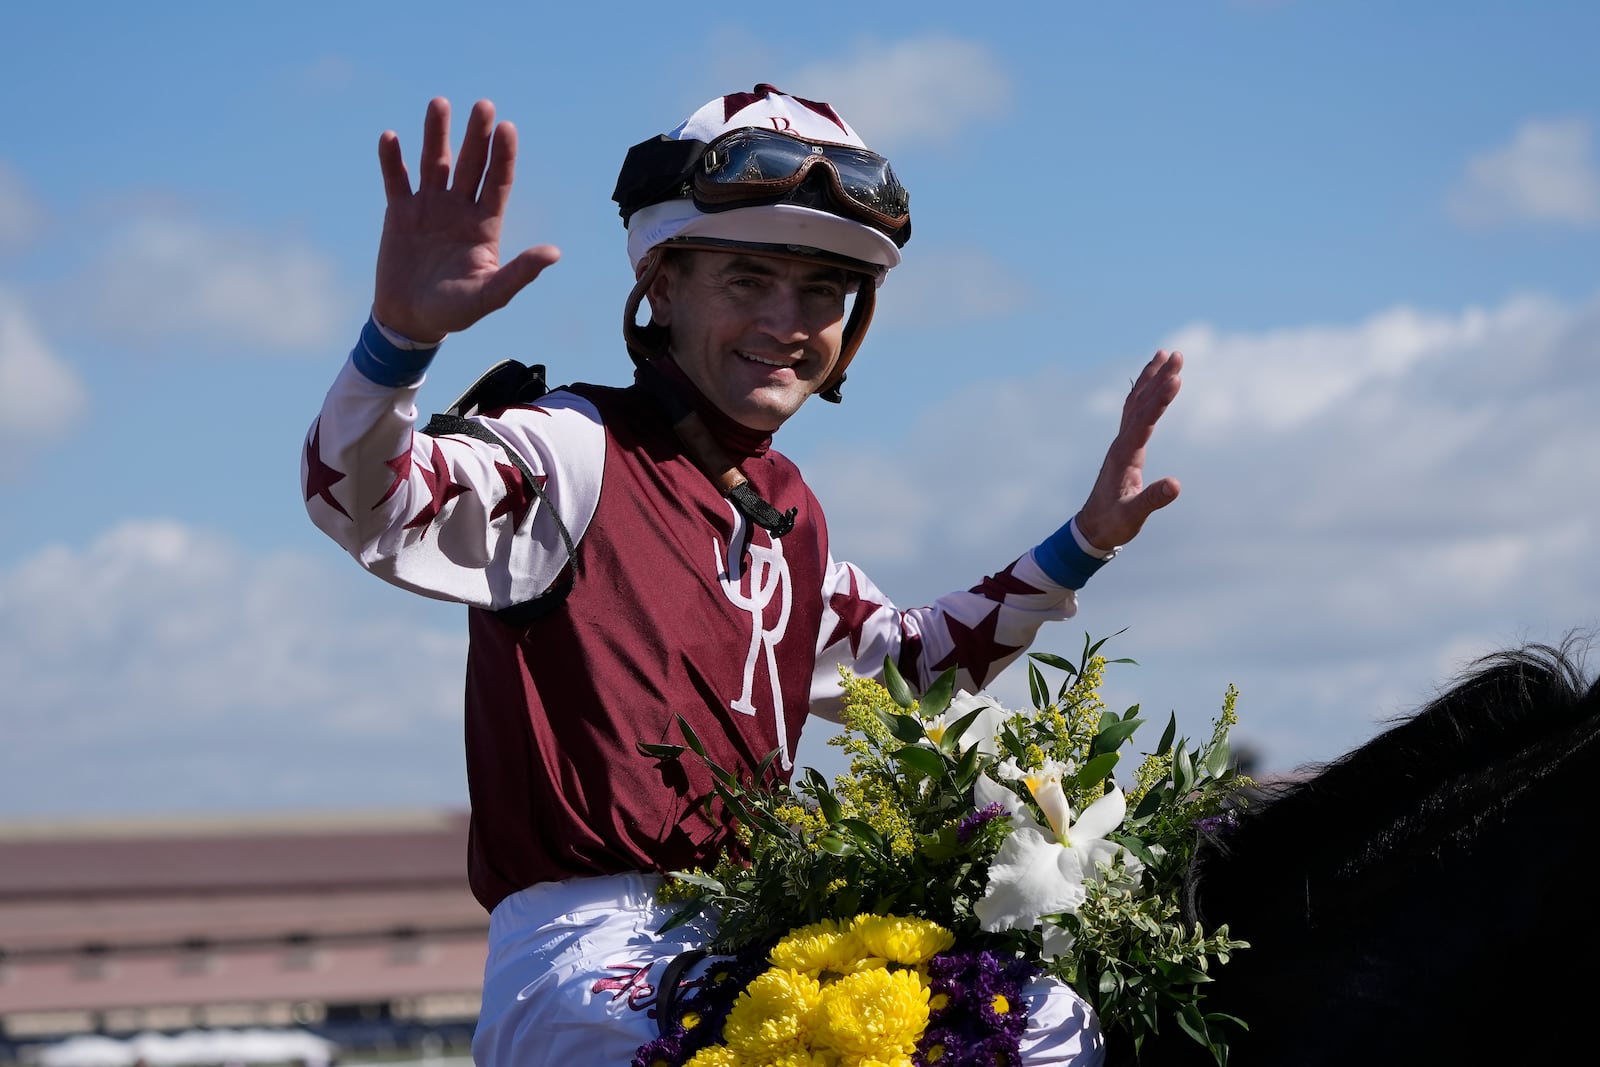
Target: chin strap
x,y
713,460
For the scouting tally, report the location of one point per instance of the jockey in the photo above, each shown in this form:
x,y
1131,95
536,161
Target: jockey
x,y
634,555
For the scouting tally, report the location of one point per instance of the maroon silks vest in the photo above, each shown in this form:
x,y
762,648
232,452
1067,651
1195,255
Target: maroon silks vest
x,y
656,626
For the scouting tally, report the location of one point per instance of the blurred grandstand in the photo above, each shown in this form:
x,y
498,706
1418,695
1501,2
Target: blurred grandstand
x,y
356,929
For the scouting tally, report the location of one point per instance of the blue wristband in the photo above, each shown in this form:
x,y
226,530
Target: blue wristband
x,y
1062,558
383,363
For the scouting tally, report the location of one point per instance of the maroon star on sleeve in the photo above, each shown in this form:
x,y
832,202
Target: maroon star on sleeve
x,y
441,490
518,498
975,646
401,466
853,612
321,478
996,586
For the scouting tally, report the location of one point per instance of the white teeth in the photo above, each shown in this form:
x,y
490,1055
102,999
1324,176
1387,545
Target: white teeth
x,y
763,362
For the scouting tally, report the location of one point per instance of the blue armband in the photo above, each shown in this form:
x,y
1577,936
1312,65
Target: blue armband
x,y
384,363
1068,558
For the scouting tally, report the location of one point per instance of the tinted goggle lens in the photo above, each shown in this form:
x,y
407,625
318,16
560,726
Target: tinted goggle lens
x,y
751,165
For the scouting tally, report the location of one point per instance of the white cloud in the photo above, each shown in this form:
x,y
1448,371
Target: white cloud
x,y
163,667
162,278
1547,174
21,216
1363,505
41,396
925,89
1282,379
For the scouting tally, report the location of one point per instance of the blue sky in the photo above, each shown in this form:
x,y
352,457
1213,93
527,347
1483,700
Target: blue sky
x,y
1374,229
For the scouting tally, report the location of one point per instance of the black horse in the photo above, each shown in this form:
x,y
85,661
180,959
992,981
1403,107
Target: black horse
x,y
1424,899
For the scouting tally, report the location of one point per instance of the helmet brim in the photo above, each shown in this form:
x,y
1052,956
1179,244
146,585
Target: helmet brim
x,y
780,226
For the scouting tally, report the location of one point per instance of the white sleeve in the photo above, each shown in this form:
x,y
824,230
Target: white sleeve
x,y
451,517
980,631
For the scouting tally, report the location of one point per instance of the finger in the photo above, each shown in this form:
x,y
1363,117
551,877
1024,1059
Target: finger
x,y
512,278
434,167
392,162
502,170
474,149
1150,500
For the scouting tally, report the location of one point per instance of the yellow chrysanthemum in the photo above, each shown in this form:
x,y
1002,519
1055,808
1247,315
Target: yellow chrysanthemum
x,y
879,1061
826,946
804,1057
902,940
878,1013
773,1015
715,1056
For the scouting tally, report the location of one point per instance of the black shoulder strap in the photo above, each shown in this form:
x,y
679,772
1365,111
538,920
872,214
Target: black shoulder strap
x,y
502,385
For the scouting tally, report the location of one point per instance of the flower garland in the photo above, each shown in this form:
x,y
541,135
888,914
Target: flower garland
x,y
893,916
878,991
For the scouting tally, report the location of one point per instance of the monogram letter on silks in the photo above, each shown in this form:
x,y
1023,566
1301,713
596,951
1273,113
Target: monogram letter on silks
x,y
766,582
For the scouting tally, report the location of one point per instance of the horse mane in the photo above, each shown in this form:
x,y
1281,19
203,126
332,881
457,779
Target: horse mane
x,y
1394,896
1504,703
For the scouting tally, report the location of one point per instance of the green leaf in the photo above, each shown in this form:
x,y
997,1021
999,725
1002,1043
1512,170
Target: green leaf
x,y
1168,734
1182,771
826,802
835,844
905,728
765,765
1217,759
702,880
953,732
679,917
1037,690
863,832
967,770
923,760
1149,803
899,691
1112,737
1051,660
1098,769
937,698
659,751
1194,1024
691,737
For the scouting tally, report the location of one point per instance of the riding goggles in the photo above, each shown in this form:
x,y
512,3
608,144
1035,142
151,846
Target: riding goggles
x,y
752,165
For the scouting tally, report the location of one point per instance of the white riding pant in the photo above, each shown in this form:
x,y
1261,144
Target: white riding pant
x,y
573,968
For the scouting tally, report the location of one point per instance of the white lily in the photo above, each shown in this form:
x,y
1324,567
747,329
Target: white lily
x,y
1044,870
983,729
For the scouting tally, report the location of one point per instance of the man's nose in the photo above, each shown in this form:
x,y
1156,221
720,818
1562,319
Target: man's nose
x,y
783,314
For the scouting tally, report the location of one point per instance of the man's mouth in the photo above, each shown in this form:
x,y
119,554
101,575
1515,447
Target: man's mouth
x,y
766,361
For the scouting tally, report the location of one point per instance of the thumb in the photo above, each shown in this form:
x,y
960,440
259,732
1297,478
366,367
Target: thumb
x,y
1157,495
514,276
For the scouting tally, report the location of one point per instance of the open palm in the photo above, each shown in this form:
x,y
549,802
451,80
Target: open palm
x,y
439,268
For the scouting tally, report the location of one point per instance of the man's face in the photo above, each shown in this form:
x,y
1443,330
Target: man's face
x,y
756,334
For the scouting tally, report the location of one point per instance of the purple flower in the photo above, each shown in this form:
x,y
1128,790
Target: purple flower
x,y
1221,823
662,1052
974,821
979,1013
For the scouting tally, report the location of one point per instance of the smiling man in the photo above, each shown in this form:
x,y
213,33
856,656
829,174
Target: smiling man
x,y
630,555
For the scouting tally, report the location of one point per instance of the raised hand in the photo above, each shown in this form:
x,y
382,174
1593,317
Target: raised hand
x,y
439,268
1120,502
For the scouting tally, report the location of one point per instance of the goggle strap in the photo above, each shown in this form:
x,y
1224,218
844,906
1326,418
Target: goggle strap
x,y
855,331
655,170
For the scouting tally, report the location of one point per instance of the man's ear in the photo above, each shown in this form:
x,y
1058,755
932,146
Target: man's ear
x,y
659,294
